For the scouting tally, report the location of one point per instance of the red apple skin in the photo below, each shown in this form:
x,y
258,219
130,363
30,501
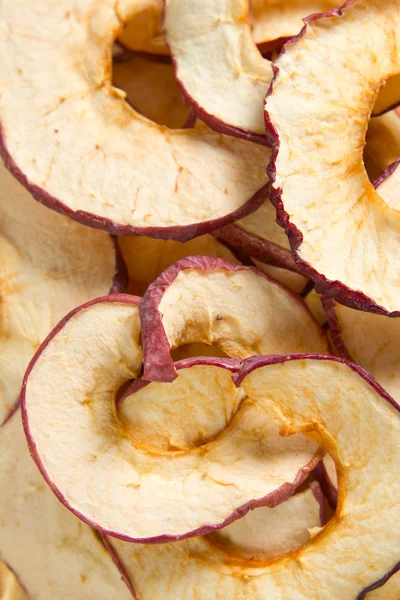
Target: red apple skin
x,y
334,289
262,250
329,490
270,500
158,364
115,558
180,233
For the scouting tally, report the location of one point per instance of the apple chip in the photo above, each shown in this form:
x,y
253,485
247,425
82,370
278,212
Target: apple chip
x,y
146,258
151,90
388,185
340,229
293,281
54,555
382,146
69,136
360,424
69,393
49,264
222,74
236,308
263,534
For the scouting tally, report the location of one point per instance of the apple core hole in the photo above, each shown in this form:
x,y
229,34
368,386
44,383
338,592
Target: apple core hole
x,y
150,87
197,349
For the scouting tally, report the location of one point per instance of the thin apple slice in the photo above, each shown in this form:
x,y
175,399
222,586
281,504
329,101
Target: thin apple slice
x,y
291,280
10,587
382,146
48,265
314,303
69,136
143,30
264,533
360,424
53,554
146,258
151,90
69,393
317,113
388,185
222,74
389,590
236,308
388,97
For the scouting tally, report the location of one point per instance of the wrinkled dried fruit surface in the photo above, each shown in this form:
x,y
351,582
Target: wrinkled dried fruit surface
x,y
346,241
82,150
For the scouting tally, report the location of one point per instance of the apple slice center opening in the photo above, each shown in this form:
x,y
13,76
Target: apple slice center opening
x,y
150,87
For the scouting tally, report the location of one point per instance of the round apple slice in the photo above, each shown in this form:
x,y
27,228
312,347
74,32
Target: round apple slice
x,y
52,553
360,424
388,185
48,265
236,308
70,419
341,231
222,74
69,136
382,146
146,258
263,533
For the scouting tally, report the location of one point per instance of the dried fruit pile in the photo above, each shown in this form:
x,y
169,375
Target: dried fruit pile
x,y
199,358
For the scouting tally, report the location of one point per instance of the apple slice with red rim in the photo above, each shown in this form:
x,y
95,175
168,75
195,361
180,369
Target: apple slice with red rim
x,y
88,154
359,423
52,554
236,308
245,465
48,265
219,68
388,97
319,128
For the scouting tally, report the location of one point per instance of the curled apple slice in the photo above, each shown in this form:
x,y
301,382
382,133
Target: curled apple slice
x,y
360,424
236,308
222,74
48,265
263,533
320,129
69,136
382,146
80,368
53,554
146,258
388,185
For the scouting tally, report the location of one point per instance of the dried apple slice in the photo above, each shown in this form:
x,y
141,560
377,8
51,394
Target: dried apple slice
x,y
265,532
48,265
146,258
236,308
53,554
221,73
388,97
151,90
329,399
388,185
246,466
73,141
10,587
319,129
293,281
382,146
143,31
